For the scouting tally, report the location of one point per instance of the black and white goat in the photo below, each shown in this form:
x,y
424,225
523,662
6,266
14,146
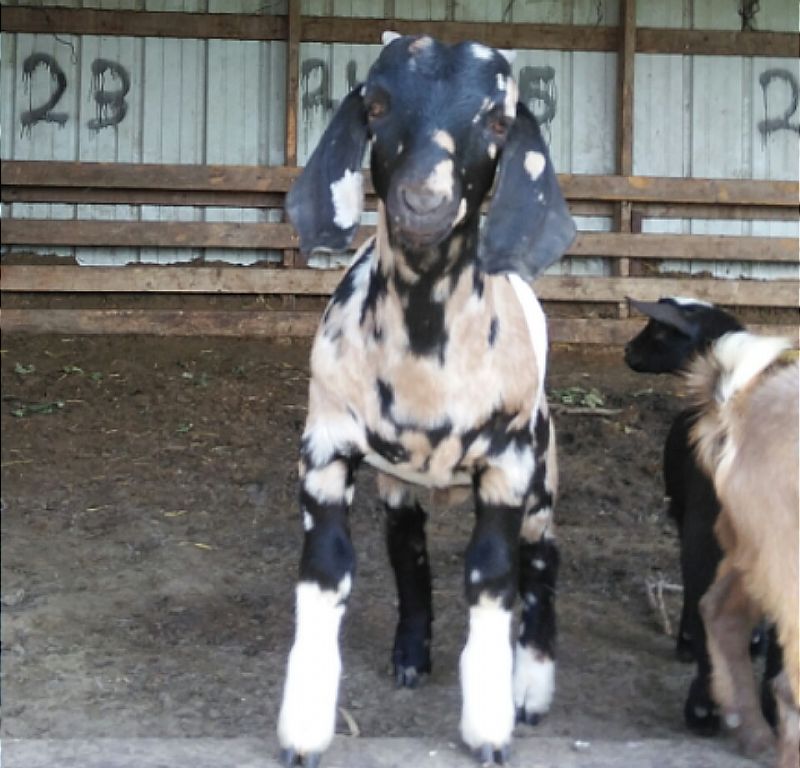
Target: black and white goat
x,y
678,330
429,365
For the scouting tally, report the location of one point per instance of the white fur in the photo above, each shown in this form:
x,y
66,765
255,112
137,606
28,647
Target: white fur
x,y
687,302
444,140
507,54
327,484
348,197
389,37
487,714
534,164
308,711
534,680
481,51
743,356
441,179
425,479
537,325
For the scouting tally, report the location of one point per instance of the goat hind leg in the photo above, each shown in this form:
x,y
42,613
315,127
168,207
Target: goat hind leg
x,y
729,617
408,554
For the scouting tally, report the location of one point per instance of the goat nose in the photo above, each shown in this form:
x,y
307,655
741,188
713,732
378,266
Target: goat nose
x,y
421,200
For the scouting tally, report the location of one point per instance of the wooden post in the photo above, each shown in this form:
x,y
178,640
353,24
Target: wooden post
x,y
290,257
625,65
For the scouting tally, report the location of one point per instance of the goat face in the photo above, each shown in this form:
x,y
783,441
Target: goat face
x,y
678,329
442,122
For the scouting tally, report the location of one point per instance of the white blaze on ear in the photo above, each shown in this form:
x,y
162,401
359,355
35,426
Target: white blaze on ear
x,y
534,164
444,140
347,196
481,51
389,37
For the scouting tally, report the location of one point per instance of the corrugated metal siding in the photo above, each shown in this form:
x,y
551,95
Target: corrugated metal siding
x,y
196,101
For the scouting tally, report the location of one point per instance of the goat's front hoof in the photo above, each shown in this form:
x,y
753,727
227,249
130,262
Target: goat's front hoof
x,y
529,718
291,758
407,677
700,711
488,755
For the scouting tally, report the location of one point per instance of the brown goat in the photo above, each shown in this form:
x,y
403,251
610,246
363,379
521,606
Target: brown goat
x,y
747,440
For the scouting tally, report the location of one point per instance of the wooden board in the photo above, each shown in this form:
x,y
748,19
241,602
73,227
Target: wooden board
x,y
254,280
274,324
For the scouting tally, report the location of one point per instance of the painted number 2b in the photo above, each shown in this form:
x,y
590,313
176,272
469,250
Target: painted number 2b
x,y
111,106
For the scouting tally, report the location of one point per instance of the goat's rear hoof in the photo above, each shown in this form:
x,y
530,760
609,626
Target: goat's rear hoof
x,y
530,718
754,740
407,677
700,712
488,755
290,758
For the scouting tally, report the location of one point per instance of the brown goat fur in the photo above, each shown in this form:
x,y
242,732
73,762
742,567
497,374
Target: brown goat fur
x,y
746,438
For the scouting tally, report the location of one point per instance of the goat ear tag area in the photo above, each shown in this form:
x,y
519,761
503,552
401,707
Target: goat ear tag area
x,y
529,226
325,202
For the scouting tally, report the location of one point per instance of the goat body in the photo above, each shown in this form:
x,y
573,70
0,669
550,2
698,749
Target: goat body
x,y
747,440
429,365
677,331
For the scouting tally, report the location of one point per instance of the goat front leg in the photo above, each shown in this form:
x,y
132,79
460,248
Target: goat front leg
x,y
308,711
487,714
408,554
729,616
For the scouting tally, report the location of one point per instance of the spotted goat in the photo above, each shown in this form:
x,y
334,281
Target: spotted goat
x,y
429,365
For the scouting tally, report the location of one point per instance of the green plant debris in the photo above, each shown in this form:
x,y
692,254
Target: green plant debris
x,y
70,369
578,396
24,370
96,376
184,427
29,409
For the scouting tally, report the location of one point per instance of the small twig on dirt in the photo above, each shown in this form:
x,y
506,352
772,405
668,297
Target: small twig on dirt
x,y
655,588
569,411
351,722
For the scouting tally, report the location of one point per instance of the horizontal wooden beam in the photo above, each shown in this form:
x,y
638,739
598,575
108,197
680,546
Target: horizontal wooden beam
x,y
319,282
147,234
565,37
258,235
229,179
707,42
327,29
275,324
88,21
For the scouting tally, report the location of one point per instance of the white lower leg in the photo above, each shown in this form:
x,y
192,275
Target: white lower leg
x,y
534,680
487,714
308,712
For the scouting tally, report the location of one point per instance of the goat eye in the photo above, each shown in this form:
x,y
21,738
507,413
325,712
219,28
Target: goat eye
x,y
498,126
376,109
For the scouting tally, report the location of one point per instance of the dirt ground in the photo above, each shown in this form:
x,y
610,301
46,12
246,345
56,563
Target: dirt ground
x,y
150,539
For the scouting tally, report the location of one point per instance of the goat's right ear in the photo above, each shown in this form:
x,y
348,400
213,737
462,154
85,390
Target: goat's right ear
x,y
665,312
325,202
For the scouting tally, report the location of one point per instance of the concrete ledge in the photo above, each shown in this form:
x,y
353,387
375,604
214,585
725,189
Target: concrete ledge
x,y
367,753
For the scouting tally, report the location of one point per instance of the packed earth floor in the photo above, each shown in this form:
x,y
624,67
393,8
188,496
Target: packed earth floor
x,y
151,536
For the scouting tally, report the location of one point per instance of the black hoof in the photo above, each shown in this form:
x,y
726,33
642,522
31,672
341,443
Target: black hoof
x,y
487,755
700,711
290,758
407,677
531,718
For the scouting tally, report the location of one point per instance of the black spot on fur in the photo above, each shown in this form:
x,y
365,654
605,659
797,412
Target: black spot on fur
x,y
386,398
541,434
493,326
390,450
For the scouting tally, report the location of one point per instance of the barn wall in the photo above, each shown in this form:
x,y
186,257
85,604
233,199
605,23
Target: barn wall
x,y
220,101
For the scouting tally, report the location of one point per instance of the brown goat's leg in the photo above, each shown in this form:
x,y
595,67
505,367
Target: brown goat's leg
x,y
729,616
788,723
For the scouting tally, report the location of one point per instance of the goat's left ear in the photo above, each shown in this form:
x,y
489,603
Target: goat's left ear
x,y
325,202
528,227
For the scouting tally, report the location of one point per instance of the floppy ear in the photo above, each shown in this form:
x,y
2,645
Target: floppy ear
x,y
528,226
325,202
665,312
